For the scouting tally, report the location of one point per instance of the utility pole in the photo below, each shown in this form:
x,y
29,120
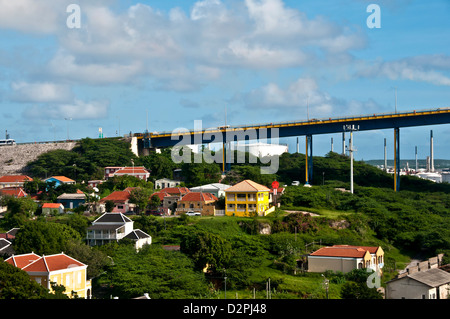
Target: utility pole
x,y
351,128
326,283
225,278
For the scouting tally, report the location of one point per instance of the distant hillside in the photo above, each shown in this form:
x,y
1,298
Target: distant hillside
x,y
438,163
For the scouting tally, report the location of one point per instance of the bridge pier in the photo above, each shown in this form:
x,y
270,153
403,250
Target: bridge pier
x,y
396,159
308,161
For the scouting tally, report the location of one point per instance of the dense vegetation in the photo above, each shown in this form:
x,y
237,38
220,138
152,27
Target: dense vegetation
x,y
407,223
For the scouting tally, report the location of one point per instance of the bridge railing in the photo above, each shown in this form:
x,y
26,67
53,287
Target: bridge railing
x,y
314,120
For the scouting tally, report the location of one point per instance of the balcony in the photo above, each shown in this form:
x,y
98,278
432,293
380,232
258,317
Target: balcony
x,y
104,235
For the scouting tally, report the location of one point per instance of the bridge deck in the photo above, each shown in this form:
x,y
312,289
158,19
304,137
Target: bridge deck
x,y
300,128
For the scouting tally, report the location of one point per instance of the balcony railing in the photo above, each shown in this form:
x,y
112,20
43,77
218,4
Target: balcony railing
x,y
104,236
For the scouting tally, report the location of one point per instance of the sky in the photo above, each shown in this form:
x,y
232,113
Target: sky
x,y
125,66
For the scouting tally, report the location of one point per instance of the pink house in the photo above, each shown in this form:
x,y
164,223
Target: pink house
x,y
121,201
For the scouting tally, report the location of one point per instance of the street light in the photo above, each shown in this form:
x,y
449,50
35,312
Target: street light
x,y
326,284
68,119
225,278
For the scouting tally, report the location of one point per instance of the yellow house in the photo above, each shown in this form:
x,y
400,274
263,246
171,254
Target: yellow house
x,y
246,199
59,268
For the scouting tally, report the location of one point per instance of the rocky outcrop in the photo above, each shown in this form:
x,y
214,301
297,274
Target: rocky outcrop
x,y
14,159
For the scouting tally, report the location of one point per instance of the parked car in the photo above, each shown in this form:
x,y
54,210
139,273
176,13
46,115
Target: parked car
x,y
193,214
154,213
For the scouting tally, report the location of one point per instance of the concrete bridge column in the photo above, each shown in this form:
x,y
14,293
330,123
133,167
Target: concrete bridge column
x,y
396,159
308,161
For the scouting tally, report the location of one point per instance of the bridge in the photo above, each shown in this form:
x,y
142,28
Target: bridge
x,y
397,120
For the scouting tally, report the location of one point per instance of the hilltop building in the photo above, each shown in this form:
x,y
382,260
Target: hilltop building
x,y
345,258
59,180
203,203
113,227
14,180
58,268
247,198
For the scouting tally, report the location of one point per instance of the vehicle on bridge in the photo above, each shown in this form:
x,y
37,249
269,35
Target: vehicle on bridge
x,y
7,142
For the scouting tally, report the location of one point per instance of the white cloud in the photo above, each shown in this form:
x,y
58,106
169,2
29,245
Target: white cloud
x,y
298,95
420,68
65,66
42,92
141,42
301,99
76,110
37,17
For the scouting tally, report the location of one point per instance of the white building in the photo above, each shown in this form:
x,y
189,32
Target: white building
x,y
114,227
429,284
166,182
431,176
261,149
217,189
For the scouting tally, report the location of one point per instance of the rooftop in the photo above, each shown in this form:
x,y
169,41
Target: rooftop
x,y
432,277
61,179
35,263
247,186
51,205
198,197
112,218
15,179
344,251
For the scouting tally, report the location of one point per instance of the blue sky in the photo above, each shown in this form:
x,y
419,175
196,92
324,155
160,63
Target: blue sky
x,y
260,60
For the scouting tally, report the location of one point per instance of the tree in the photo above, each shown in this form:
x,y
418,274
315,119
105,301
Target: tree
x,y
201,173
140,197
155,202
109,206
44,237
206,249
17,284
160,273
359,290
96,259
19,210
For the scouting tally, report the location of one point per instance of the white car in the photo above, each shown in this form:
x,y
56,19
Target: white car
x,y
193,214
295,183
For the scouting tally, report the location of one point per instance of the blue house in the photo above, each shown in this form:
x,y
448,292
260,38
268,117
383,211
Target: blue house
x,y
72,200
59,180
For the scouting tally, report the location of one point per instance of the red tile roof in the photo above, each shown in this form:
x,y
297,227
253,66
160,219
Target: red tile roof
x,y
13,191
132,170
51,205
34,263
198,197
344,251
15,178
160,194
117,197
176,190
21,261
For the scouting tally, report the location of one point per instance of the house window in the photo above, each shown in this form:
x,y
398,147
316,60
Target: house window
x,y
191,206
